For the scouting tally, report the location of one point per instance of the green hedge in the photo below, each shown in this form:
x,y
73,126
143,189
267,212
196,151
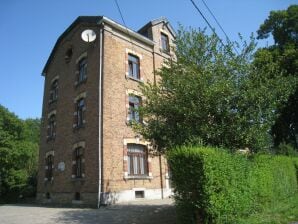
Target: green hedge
x,y
214,186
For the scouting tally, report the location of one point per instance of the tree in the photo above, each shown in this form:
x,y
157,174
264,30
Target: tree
x,y
31,130
18,155
283,26
208,94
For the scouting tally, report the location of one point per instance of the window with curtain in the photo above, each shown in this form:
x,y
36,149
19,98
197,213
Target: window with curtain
x,y
137,160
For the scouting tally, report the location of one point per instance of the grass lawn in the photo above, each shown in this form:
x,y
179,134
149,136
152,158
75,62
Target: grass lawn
x,y
285,211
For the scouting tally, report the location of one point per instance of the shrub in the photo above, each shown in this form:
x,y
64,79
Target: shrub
x,y
286,149
214,186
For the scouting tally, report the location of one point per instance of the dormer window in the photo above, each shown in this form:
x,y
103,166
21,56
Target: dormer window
x,y
165,43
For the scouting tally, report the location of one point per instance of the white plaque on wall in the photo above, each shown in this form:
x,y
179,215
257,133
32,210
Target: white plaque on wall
x,y
61,166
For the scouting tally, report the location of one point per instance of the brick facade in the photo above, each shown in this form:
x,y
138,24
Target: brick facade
x,y
77,67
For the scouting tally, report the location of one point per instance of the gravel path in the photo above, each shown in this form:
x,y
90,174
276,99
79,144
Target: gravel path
x,y
139,212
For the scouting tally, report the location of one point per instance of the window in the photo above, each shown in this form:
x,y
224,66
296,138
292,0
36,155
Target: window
x,y
54,91
139,194
133,66
134,103
52,127
80,112
78,162
50,166
77,196
137,160
82,76
78,167
165,43
68,55
48,195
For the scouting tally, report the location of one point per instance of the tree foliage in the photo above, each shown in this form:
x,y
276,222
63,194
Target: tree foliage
x,y
283,26
209,94
18,155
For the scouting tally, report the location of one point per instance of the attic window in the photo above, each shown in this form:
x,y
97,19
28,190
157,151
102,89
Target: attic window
x,y
68,55
165,43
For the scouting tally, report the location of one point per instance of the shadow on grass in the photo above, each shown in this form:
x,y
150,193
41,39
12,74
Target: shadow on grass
x,y
130,214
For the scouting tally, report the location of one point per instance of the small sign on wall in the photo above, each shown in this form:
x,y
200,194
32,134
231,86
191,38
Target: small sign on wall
x,y
61,166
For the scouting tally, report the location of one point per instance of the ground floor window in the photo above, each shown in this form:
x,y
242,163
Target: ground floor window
x,y
137,160
49,165
78,164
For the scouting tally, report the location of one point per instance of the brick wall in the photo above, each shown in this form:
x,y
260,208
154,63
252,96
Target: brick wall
x,y
66,135
116,132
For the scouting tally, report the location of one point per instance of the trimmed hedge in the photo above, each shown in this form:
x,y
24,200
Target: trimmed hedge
x,y
215,186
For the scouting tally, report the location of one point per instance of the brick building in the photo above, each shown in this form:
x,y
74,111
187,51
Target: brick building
x,y
88,153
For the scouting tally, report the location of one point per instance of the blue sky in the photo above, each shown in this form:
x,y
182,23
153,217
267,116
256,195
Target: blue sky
x,y
30,28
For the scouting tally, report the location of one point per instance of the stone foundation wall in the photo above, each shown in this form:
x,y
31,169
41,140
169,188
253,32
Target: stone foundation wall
x,y
68,199
91,199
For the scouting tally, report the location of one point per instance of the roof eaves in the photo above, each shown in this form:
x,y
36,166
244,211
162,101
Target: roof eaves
x,y
96,20
88,19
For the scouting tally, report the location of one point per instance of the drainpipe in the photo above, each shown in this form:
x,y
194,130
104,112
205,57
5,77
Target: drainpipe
x,y
100,119
161,180
153,56
159,155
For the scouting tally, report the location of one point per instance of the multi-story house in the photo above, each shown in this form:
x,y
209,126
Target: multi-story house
x,y
89,153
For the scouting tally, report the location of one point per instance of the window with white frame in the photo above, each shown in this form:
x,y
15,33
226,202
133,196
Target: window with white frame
x,y
134,102
133,66
137,160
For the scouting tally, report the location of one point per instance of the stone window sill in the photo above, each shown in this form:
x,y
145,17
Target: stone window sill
x,y
138,177
77,202
164,51
51,138
80,83
77,128
49,181
131,122
134,79
53,101
167,52
78,179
